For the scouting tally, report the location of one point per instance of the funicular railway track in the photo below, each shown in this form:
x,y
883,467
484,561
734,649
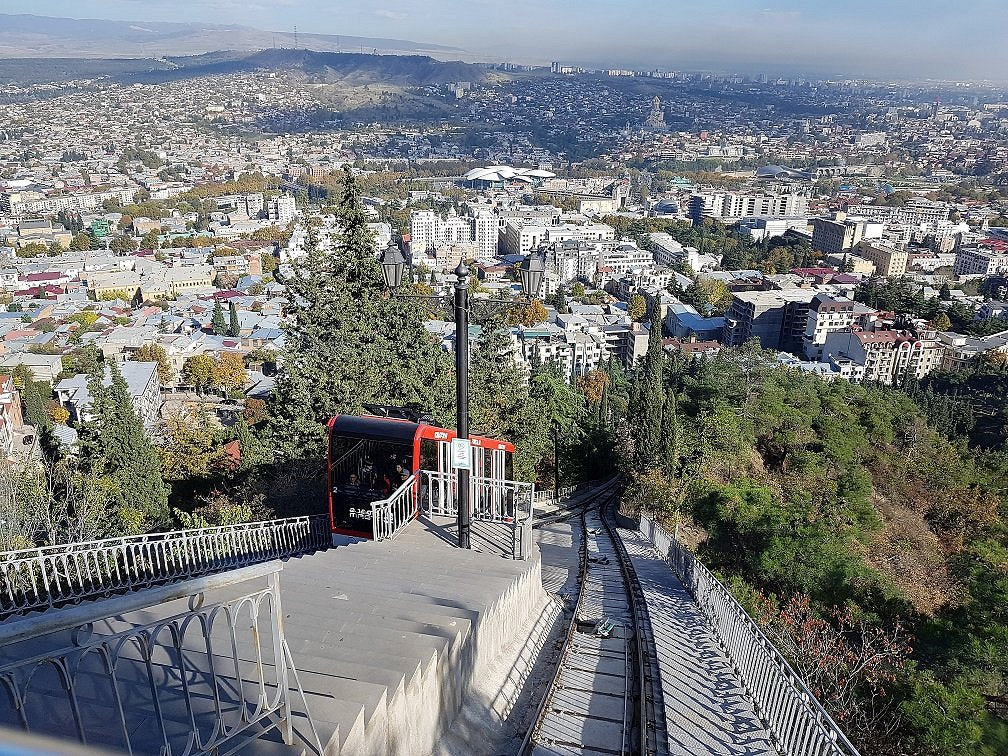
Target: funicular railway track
x,y
598,699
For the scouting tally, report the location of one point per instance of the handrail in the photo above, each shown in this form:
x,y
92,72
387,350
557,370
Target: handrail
x,y
51,576
791,712
198,678
389,516
496,500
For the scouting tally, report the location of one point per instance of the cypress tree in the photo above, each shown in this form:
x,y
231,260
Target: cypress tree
x,y
652,400
218,324
115,445
34,401
234,327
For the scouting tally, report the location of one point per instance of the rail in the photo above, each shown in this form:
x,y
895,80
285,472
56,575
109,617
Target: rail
x,y
53,576
793,715
389,516
206,679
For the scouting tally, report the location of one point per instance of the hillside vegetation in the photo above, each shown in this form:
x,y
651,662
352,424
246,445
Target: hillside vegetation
x,y
870,546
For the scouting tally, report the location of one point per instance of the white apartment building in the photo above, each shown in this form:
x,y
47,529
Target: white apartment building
x,y
624,257
574,352
979,261
520,238
742,204
485,233
429,230
281,210
828,315
915,212
35,203
883,356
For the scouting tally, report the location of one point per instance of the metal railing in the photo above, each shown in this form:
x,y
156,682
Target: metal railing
x,y
555,495
52,576
389,516
505,502
795,718
208,678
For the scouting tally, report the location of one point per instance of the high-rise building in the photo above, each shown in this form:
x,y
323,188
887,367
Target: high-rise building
x,y
281,210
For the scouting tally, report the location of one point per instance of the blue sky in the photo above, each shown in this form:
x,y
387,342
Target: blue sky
x,y
888,37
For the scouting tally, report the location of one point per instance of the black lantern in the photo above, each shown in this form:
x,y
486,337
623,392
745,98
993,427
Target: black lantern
x,y
532,271
393,264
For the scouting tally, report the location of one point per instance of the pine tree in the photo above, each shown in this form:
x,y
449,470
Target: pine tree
x,y
218,324
349,343
234,328
115,445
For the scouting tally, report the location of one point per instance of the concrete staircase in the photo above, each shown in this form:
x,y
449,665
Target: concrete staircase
x,y
389,640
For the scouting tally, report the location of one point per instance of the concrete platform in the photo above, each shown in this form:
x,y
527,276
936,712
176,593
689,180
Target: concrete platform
x,y
389,640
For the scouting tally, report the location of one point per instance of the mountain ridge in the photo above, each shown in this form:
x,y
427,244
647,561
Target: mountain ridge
x,y
26,35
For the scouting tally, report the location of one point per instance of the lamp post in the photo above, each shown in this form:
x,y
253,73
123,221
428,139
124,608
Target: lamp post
x,y
531,272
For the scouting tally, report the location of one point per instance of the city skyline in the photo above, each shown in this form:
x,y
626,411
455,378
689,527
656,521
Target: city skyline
x,y
892,40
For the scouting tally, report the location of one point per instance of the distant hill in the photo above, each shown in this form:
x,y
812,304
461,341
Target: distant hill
x,y
352,69
29,36
316,67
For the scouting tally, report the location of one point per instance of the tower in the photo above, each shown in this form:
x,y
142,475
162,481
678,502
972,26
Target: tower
x,y
656,120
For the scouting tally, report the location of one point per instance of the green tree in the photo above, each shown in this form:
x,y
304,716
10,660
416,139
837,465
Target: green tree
x,y
80,243
234,327
151,240
941,322
348,343
652,404
116,446
637,307
155,353
198,371
36,394
218,324
122,244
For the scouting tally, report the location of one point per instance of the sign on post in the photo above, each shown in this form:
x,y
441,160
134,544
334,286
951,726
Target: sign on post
x,y
461,454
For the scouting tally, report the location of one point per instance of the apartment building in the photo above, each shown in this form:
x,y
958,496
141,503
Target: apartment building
x,y
281,210
777,318
888,258
521,238
916,211
842,232
742,204
884,356
828,314
141,381
980,261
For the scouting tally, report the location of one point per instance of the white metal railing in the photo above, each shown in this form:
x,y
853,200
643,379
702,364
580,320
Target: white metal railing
x,y
794,716
389,516
206,679
55,575
555,495
505,502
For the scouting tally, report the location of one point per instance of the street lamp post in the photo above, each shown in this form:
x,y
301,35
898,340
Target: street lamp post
x,y
531,272
462,393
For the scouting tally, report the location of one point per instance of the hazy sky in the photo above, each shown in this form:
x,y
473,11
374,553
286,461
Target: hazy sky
x,y
933,38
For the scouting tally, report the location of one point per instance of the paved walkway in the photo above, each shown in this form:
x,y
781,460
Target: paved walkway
x,y
706,710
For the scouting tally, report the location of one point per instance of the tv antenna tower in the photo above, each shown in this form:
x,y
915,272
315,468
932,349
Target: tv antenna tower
x,y
295,36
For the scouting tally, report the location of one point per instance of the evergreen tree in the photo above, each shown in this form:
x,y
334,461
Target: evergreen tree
x,y
652,401
234,327
115,446
218,324
349,343
35,404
